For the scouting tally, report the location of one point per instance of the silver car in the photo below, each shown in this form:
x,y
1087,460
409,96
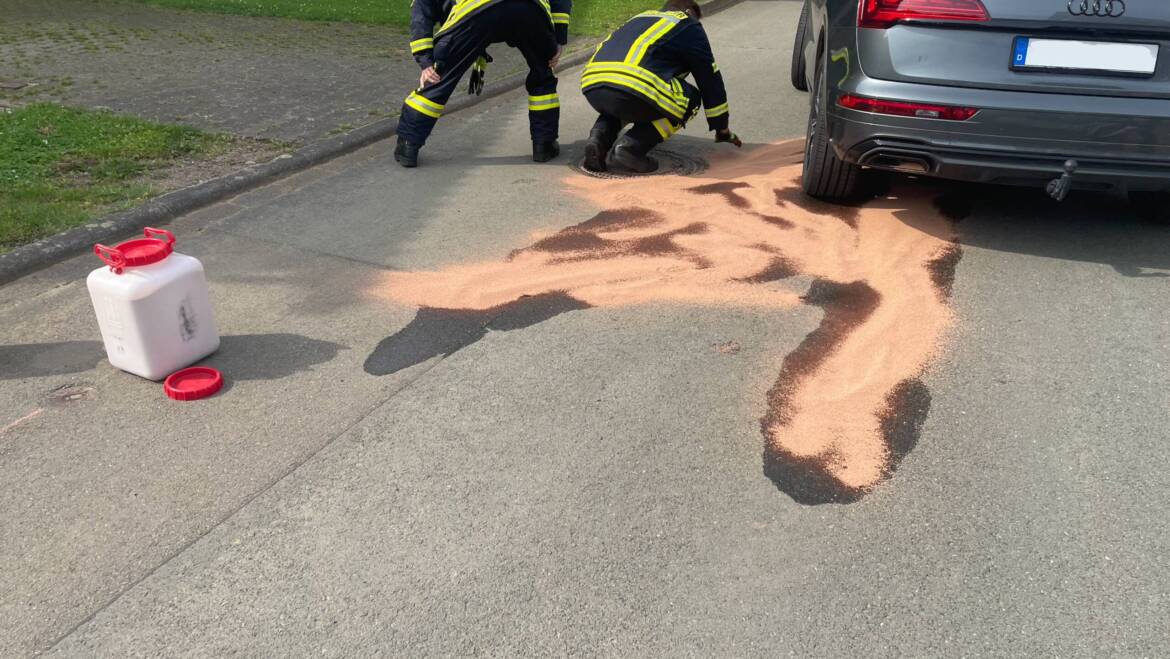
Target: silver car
x,y
1060,94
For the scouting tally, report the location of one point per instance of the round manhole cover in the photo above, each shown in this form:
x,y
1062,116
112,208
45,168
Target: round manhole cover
x,y
670,163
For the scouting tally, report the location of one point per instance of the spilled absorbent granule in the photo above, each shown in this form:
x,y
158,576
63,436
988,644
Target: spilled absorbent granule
x,y
845,405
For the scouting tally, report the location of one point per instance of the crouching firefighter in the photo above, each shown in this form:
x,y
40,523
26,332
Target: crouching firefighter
x,y
539,29
637,76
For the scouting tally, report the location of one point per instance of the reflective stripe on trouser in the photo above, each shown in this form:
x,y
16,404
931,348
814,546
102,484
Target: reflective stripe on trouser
x,y
544,106
423,107
422,104
544,102
665,128
523,25
647,135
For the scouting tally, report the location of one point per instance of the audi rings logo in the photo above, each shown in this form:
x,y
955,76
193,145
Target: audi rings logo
x,y
1101,8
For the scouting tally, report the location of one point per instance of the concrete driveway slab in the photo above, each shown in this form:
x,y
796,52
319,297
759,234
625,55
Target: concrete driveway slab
x,y
564,477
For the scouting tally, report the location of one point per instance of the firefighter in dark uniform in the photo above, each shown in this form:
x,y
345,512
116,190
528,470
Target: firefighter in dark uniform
x,y
425,17
538,28
637,76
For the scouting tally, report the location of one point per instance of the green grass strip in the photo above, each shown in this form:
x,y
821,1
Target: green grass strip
x,y
590,17
61,167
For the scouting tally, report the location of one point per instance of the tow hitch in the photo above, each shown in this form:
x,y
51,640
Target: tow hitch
x,y
1058,188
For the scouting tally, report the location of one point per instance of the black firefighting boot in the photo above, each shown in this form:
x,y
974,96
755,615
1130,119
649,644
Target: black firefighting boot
x,y
597,149
545,151
406,153
631,155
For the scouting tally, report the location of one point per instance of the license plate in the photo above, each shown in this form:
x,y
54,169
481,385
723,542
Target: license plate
x,y
1100,57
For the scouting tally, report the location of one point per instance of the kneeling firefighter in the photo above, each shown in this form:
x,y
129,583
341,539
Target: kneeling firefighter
x,y
637,76
539,29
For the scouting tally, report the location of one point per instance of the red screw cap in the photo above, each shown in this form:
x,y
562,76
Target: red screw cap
x,y
156,246
193,383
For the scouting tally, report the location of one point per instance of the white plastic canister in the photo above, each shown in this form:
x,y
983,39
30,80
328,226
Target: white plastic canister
x,y
152,306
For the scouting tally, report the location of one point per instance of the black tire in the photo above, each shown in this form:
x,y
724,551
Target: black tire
x,y
798,60
825,176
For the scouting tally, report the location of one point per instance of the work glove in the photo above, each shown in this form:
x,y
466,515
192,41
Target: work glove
x,y
725,135
478,74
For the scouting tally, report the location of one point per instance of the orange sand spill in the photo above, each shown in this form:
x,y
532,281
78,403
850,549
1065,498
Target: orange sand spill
x,y
723,238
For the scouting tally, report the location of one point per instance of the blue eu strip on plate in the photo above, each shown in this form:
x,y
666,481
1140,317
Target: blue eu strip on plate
x,y
1021,56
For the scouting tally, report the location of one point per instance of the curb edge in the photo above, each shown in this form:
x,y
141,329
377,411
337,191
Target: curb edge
x,y
168,207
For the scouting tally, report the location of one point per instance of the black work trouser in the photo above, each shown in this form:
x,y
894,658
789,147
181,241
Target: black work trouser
x,y
652,126
522,24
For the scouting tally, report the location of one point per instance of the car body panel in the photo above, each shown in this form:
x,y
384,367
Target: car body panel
x,y
982,59
1029,123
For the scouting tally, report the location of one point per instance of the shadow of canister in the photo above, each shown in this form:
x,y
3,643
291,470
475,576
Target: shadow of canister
x,y
240,357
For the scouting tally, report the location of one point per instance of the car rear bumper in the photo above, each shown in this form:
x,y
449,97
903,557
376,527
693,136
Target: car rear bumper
x,y
1016,139
873,149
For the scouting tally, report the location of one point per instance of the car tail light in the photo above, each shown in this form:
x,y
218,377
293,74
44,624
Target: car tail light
x,y
882,14
903,109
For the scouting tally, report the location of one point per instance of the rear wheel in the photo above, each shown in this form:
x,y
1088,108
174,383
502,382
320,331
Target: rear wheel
x,y
798,61
825,176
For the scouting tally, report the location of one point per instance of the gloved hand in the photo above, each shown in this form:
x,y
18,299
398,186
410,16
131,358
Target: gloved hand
x,y
725,135
478,74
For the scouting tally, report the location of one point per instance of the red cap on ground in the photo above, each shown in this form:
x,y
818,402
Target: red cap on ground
x,y
193,383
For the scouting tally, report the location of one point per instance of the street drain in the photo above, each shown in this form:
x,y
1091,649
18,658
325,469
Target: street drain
x,y
670,163
70,393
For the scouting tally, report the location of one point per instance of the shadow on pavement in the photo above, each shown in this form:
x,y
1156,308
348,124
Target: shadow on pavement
x,y
270,356
1094,228
573,152
434,332
33,360
242,357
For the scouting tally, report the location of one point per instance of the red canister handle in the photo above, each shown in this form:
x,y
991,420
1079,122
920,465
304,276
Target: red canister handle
x,y
112,257
160,234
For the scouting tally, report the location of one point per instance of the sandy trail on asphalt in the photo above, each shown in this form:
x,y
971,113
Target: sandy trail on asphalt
x,y
730,237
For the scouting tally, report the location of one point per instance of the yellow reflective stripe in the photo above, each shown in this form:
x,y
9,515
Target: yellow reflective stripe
x,y
424,105
545,102
667,20
647,39
461,10
717,111
420,45
427,102
560,19
714,67
464,8
638,72
665,128
665,94
680,15
667,104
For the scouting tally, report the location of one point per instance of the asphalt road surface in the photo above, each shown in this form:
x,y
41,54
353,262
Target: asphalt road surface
x,y
413,458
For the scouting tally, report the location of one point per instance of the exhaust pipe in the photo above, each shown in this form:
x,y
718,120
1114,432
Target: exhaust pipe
x,y
909,163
